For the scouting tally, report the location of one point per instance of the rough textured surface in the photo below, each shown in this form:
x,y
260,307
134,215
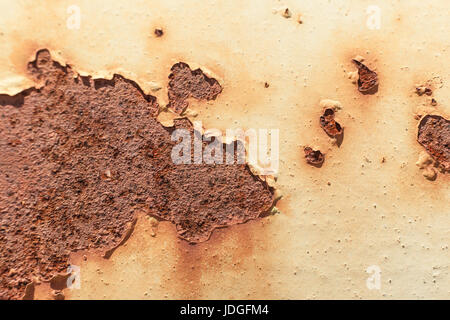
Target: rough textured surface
x,y
79,157
329,125
314,157
421,90
434,136
368,79
326,236
185,83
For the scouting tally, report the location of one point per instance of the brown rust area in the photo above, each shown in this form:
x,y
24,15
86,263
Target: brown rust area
x,y
159,32
185,83
368,79
426,89
199,199
80,157
314,157
329,124
434,136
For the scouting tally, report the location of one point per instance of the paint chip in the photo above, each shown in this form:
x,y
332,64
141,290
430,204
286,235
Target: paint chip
x,y
329,124
368,79
434,136
314,157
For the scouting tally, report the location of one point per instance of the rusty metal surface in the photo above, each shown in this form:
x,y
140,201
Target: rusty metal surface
x,y
369,204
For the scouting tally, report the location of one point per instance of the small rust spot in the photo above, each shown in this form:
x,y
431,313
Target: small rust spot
x,y
266,85
433,102
368,79
314,157
329,124
421,90
287,13
434,136
185,83
159,32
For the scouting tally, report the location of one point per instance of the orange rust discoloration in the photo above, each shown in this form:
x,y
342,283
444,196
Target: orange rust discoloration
x,y
283,205
188,269
194,261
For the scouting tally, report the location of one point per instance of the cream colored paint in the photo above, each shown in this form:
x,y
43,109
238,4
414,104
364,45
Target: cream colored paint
x,y
335,221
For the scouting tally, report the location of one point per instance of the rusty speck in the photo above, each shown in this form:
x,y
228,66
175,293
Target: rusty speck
x,y
159,32
368,79
80,157
185,83
434,136
329,124
314,157
433,102
287,13
421,90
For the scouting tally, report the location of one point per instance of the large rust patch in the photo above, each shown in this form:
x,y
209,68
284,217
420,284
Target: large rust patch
x,y
79,157
186,83
434,136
